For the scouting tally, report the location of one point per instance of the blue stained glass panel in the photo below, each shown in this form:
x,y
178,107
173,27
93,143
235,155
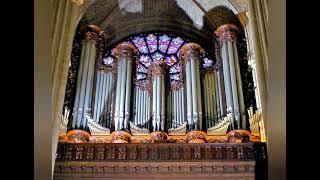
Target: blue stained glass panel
x,y
152,42
171,60
163,43
174,45
141,68
145,59
175,77
140,43
157,56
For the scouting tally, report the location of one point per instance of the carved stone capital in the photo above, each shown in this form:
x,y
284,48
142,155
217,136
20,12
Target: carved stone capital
x,y
90,32
125,50
190,50
227,32
158,68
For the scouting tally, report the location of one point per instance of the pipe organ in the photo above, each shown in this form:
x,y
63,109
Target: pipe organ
x,y
159,82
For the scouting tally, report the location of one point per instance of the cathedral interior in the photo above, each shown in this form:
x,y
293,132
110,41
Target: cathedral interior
x,y
148,89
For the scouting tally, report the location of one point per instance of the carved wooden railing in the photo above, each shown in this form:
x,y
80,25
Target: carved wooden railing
x,y
233,160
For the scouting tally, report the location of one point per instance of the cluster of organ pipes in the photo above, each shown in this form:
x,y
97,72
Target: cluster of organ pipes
x,y
205,100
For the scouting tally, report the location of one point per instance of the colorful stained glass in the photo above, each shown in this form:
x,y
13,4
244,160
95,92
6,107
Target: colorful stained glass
x,y
108,60
141,76
171,60
145,59
175,77
174,45
141,68
164,41
157,56
140,43
207,62
152,42
176,68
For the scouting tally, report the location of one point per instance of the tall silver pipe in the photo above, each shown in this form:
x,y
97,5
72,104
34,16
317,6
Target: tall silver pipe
x,y
79,80
135,105
182,105
154,102
158,101
96,97
83,85
194,93
104,93
108,96
198,89
205,94
236,107
118,94
218,110
189,94
162,103
239,86
227,82
221,94
123,90
213,111
128,94
139,106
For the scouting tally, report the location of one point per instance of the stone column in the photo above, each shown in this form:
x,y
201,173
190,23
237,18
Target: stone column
x,y
158,71
83,99
125,53
233,85
190,54
259,52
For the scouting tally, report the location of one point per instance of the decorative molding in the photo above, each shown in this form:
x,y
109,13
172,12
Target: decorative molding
x,y
158,68
90,33
190,50
159,137
155,152
120,137
96,129
135,130
181,130
126,50
227,32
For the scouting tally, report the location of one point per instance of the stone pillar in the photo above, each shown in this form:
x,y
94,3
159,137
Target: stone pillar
x,y
260,53
190,54
125,53
158,71
83,99
231,71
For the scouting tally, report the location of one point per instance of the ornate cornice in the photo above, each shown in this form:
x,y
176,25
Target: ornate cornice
x,y
158,68
90,32
191,50
227,32
126,50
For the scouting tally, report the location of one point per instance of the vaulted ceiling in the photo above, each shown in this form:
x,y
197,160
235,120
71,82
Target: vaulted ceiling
x,y
191,18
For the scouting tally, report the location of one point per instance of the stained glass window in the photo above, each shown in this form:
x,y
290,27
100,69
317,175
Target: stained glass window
x,y
158,47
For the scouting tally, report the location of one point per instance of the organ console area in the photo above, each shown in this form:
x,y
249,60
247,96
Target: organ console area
x,y
159,88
